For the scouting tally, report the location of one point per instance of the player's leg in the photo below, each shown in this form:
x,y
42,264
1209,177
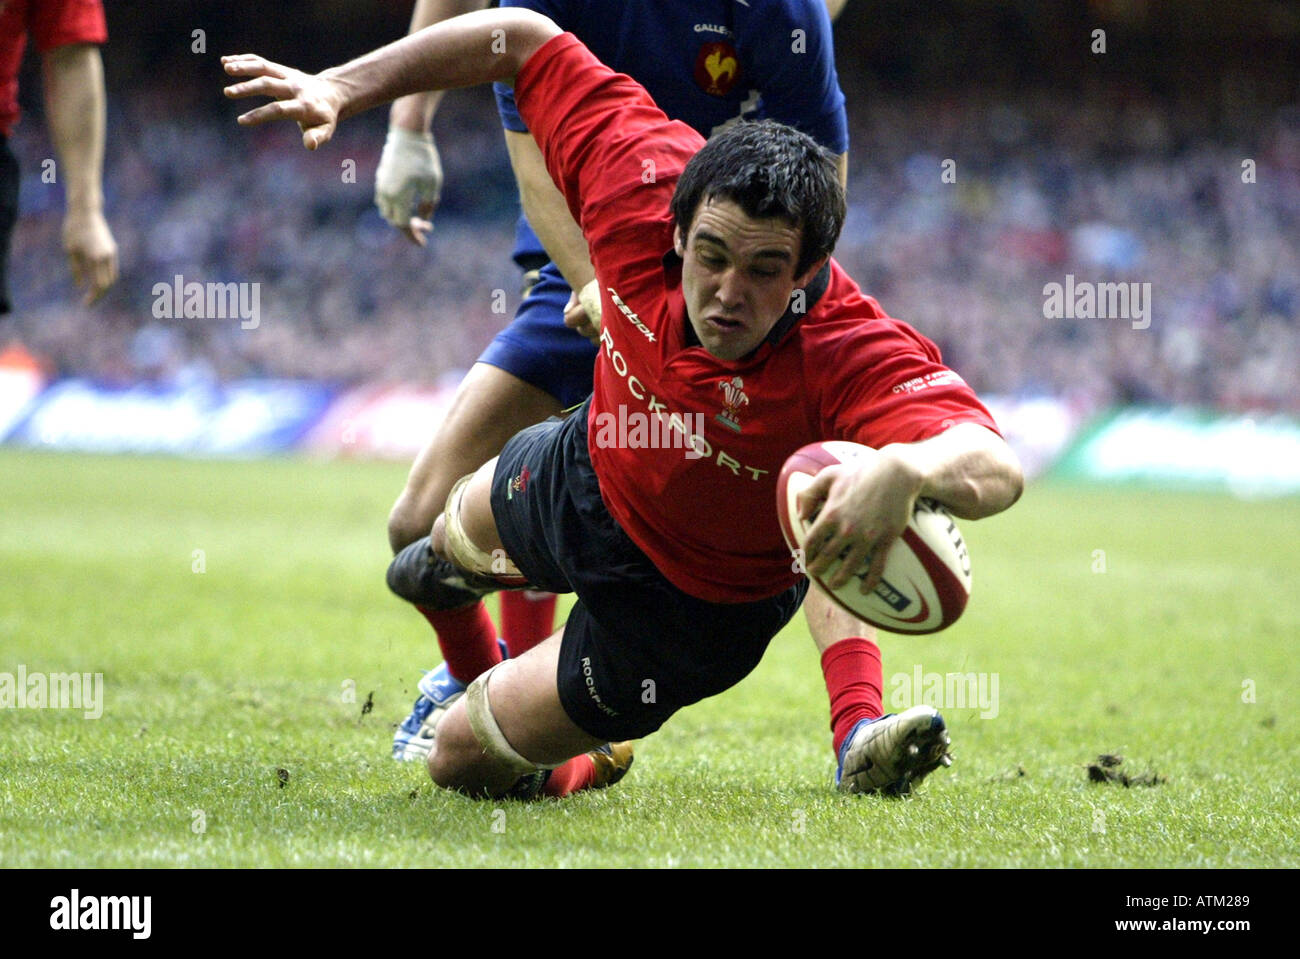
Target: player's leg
x,y
527,617
539,349
509,734
635,648
850,662
465,533
530,371
874,753
489,407
509,730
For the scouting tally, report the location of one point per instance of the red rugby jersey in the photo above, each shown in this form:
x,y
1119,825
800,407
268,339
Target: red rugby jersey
x,y
843,370
52,23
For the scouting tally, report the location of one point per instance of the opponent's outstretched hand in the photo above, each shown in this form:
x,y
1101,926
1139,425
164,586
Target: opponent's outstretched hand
x,y
311,100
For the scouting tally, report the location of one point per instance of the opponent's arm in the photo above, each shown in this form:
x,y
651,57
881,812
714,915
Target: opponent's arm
x,y
864,508
74,104
547,211
834,8
409,176
799,85
480,47
415,112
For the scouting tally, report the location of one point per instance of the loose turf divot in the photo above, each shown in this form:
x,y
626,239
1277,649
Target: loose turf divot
x,y
1106,770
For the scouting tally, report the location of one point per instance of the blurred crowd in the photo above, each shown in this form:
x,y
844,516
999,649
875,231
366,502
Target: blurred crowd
x,y
1106,188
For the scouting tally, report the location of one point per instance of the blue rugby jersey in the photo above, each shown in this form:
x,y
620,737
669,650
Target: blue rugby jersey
x,y
707,63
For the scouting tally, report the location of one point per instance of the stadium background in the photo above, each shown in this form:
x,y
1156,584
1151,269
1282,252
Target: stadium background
x,y
1125,166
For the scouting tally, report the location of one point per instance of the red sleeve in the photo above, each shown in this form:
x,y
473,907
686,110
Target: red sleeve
x,y
60,23
900,392
604,139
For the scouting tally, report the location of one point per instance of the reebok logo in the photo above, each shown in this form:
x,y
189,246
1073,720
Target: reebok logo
x,y
626,311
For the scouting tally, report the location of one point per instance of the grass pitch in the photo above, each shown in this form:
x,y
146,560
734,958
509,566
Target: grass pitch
x,y
238,614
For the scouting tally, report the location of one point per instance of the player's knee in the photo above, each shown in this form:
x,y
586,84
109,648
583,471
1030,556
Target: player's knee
x,y
475,515
455,761
471,755
444,765
466,535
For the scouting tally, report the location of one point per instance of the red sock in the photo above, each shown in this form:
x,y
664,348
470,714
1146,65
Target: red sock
x,y
467,638
527,618
854,681
573,776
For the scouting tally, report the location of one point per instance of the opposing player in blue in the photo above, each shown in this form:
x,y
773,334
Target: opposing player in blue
x,y
709,63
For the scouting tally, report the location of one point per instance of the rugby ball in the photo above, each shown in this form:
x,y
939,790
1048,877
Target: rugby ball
x,y
927,576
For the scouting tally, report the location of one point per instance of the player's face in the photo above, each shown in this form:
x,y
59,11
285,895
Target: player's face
x,y
737,276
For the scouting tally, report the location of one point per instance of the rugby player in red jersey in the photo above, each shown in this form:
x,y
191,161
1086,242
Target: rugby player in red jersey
x,y
715,268
781,67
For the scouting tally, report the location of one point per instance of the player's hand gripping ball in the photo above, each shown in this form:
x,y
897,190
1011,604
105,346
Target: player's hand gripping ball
x,y
927,577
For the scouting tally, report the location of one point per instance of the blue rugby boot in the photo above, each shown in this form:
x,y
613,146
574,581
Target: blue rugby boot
x,y
438,690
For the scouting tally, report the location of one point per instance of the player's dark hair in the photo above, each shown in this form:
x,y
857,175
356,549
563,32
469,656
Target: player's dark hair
x,y
769,170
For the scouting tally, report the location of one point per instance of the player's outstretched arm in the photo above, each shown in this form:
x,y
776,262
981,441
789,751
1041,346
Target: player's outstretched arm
x,y
408,182
476,48
968,468
863,509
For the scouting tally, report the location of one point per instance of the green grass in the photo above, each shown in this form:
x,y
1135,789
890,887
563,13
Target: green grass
x,y
215,680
